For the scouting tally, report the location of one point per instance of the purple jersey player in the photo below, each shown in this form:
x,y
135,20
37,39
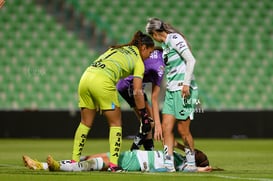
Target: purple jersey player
x,y
154,72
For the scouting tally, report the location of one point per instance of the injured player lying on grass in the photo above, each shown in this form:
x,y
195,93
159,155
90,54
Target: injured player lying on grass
x,y
136,160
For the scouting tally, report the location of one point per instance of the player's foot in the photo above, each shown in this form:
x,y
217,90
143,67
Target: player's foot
x,y
53,165
32,164
190,168
169,164
115,168
169,167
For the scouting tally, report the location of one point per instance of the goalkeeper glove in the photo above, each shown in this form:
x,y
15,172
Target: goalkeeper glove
x,y
145,122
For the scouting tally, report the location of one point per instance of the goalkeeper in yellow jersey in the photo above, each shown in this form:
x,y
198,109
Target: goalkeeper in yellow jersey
x,y
97,92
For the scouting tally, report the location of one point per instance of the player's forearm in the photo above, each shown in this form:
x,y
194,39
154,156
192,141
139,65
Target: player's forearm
x,y
138,93
139,99
156,115
190,63
155,104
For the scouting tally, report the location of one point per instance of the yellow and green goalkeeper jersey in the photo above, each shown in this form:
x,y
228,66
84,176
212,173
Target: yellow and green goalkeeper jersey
x,y
119,63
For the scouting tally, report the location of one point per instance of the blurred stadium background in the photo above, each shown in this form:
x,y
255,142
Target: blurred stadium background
x,y
45,45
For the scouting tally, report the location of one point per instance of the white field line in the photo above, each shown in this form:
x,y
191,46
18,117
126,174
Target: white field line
x,y
243,178
194,175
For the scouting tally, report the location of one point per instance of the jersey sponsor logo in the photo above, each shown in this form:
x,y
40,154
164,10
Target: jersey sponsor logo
x,y
81,144
117,145
98,64
182,112
174,37
181,45
132,50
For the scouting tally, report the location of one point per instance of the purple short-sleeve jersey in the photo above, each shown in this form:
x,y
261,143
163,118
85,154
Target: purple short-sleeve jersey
x,y
154,72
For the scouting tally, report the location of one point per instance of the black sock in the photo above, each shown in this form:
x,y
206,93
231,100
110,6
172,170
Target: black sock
x,y
138,141
148,144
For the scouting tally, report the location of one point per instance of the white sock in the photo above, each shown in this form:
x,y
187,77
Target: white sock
x,y
190,156
90,165
45,165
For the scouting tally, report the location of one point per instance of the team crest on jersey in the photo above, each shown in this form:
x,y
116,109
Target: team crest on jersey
x,y
174,37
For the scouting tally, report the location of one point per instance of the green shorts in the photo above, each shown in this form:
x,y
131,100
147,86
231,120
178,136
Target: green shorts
x,y
180,108
97,91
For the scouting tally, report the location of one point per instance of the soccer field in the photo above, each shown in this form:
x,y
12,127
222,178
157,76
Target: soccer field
x,y
242,159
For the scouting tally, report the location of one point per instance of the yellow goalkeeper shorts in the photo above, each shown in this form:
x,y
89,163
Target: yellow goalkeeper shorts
x,y
97,91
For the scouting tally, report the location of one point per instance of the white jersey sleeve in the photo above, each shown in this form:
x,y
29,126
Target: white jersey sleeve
x,y
180,45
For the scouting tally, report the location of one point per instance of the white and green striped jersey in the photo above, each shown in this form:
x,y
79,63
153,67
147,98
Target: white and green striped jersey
x,y
153,161
173,48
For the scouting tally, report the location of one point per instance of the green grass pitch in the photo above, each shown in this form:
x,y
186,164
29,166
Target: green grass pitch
x,y
242,159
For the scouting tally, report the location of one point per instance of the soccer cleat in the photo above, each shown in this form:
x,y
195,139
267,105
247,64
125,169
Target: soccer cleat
x,y
189,168
53,165
115,168
32,164
169,163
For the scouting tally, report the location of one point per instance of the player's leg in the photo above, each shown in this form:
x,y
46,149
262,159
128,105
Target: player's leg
x,y
144,139
184,131
88,112
168,122
87,117
115,137
148,143
185,113
92,164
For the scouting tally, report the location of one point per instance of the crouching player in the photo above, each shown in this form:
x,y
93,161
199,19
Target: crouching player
x,y
154,72
136,160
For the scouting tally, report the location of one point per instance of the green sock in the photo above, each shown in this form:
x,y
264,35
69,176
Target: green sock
x,y
79,141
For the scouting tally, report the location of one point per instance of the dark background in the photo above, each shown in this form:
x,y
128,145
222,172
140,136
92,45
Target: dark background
x,y
62,124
